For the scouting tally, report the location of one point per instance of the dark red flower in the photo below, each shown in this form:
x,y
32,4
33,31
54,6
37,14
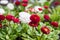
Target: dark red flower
x,y
2,17
24,4
9,17
17,3
0,25
33,24
46,7
35,18
24,1
40,9
16,20
54,23
45,30
46,17
56,3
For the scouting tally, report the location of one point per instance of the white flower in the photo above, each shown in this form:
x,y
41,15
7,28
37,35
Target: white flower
x,y
24,17
10,6
37,9
2,11
4,2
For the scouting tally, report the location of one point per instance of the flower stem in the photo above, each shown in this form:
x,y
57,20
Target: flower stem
x,y
41,36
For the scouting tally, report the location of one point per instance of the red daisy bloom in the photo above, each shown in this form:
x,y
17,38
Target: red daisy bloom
x,y
33,24
17,3
54,23
45,30
16,20
9,17
35,18
46,17
2,17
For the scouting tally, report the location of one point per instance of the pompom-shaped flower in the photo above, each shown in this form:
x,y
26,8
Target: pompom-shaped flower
x,y
54,23
2,11
17,3
56,3
4,2
10,6
35,18
24,4
46,17
16,20
33,24
0,25
9,17
24,1
2,17
46,7
37,9
45,30
24,17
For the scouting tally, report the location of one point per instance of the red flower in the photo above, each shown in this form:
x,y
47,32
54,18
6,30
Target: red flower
x,y
56,3
16,20
40,9
2,17
46,7
0,25
45,30
35,18
33,24
17,3
24,1
9,17
54,23
46,17
24,4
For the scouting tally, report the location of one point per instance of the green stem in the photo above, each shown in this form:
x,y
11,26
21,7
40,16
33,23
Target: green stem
x,y
41,36
9,23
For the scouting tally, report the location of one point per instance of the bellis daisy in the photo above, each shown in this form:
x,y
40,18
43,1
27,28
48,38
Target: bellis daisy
x,y
2,11
24,17
10,6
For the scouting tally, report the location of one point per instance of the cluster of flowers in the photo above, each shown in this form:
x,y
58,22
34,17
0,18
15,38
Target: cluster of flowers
x,y
9,18
32,19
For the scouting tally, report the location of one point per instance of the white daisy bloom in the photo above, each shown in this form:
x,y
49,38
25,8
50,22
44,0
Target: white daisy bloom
x,y
37,9
4,2
24,17
10,6
2,11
